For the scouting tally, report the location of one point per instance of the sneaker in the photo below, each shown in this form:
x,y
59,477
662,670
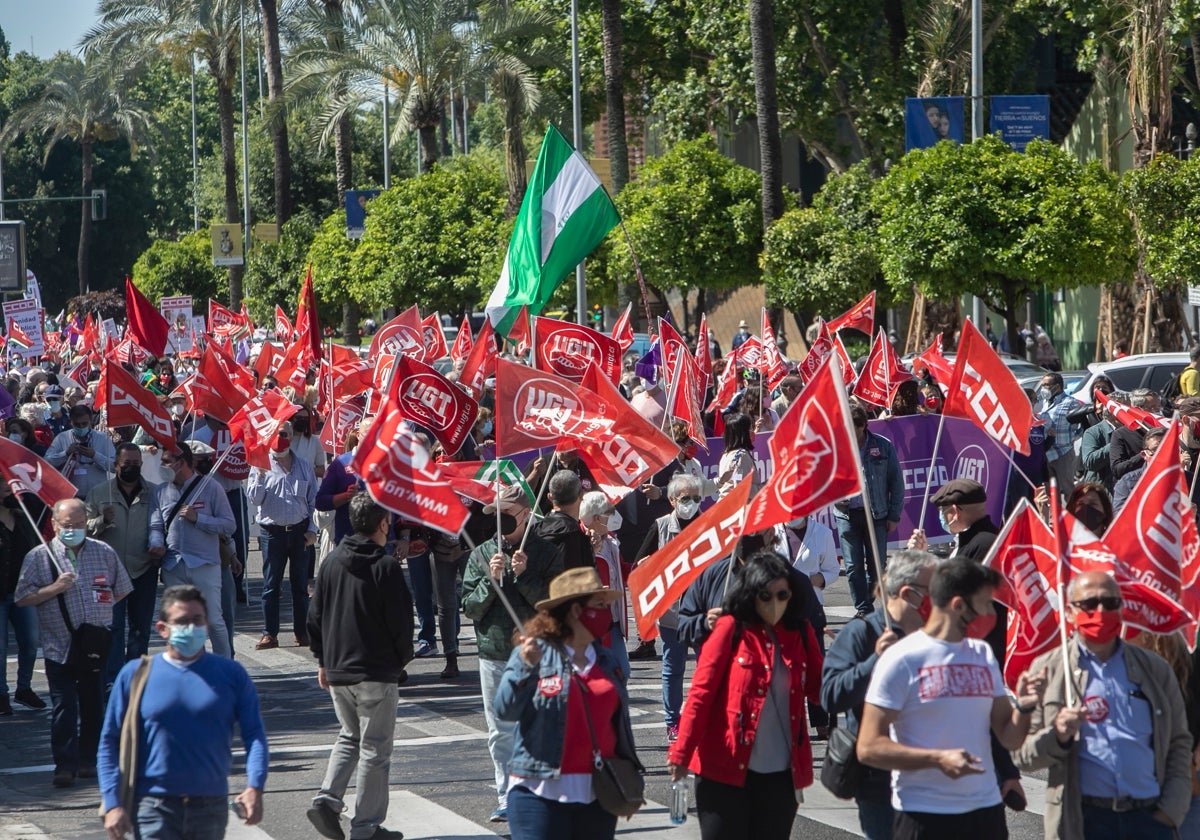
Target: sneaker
x,y
672,732
644,651
63,779
267,642
862,614
6,708
26,697
499,815
821,733
382,833
326,821
426,649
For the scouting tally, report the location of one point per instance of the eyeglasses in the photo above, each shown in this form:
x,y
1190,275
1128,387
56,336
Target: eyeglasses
x,y
696,499
284,435
76,524
1111,603
782,595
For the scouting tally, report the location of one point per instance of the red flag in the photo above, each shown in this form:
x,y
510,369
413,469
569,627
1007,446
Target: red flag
x,y
344,417
1026,554
293,367
129,353
567,350
402,334
481,361
213,391
820,350
726,390
1131,417
881,375
462,342
749,354
985,392
236,372
461,476
433,339
89,338
520,332
25,472
401,477
224,322
257,423
772,366
424,396
147,326
535,409
283,327
704,358
813,450
859,317
672,344
127,403
308,325
268,361
17,335
687,398
935,362
348,379
662,578
622,329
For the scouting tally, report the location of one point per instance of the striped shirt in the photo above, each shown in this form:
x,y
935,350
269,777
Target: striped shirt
x,y
284,497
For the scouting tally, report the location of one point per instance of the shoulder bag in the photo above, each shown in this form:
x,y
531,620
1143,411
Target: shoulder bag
x,y
131,725
88,650
841,772
616,781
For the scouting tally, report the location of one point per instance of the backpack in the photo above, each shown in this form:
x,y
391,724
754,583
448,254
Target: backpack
x,y
1173,390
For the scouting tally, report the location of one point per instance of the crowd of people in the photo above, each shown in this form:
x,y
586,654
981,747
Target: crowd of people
x,y
914,679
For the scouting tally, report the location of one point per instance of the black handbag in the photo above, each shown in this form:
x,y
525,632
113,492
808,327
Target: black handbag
x,y
90,644
841,772
617,782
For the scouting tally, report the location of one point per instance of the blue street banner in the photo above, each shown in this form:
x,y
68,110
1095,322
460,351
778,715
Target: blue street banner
x,y
930,120
1019,119
356,211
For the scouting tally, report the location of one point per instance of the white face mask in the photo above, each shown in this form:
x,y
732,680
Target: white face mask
x,y
686,508
177,410
614,521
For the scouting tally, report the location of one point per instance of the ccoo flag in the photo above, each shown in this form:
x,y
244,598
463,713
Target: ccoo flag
x,y
564,215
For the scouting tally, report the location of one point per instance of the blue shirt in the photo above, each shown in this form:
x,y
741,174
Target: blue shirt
x,y
195,543
1116,754
1055,416
284,497
187,716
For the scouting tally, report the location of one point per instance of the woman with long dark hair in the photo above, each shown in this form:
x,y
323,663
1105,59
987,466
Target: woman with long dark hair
x,y
560,687
737,461
744,731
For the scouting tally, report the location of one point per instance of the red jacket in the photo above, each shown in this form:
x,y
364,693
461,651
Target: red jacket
x,y
724,705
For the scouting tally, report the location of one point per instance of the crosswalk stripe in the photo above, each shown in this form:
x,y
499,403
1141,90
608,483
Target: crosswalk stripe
x,y
236,830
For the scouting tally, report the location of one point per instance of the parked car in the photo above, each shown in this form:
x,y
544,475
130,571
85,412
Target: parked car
x,y
1145,370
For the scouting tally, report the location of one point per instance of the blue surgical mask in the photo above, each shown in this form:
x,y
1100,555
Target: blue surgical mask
x,y
55,405
71,537
81,433
942,520
188,639
487,428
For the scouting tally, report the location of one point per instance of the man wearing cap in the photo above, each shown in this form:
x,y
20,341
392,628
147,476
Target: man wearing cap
x,y
56,418
739,338
962,509
524,575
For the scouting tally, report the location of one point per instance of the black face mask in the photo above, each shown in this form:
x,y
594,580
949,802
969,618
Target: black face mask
x,y
300,425
508,524
1093,519
204,467
129,475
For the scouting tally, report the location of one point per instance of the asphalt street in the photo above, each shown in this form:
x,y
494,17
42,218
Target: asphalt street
x,y
441,776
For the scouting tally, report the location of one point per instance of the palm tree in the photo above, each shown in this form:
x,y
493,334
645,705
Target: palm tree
x,y
766,106
278,125
88,105
180,28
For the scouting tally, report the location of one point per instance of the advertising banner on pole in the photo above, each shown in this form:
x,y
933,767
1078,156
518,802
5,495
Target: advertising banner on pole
x,y
930,120
1019,119
28,316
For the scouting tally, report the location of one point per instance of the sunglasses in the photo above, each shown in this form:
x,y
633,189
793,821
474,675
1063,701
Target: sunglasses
x,y
1111,603
283,435
689,499
782,595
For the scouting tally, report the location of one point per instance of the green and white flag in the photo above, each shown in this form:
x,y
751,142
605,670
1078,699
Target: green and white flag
x,y
565,214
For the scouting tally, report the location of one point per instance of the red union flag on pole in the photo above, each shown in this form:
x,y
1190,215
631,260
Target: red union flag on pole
x,y
622,330
25,472
1131,417
772,365
127,403
433,338
704,360
401,335
881,374
535,409
985,392
481,361
283,327
1026,555
820,350
520,333
567,350
257,423
424,396
462,342
661,579
749,354
859,317
812,449
935,362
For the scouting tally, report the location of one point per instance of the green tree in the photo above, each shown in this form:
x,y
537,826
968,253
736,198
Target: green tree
x,y
181,268
438,239
982,219
695,220
87,104
275,271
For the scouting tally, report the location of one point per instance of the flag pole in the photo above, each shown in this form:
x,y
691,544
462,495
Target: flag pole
x,y
637,270
937,440
1007,453
1056,527
538,500
512,613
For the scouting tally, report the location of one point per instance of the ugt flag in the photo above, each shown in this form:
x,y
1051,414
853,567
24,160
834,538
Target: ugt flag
x,y
564,215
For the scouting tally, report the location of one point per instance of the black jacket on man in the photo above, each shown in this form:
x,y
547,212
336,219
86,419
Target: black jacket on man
x,y
360,620
563,532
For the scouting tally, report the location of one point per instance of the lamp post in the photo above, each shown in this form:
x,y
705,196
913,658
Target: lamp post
x,y
245,141
581,313
387,142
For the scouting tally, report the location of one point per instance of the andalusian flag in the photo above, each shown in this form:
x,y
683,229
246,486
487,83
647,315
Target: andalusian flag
x,y
18,336
565,214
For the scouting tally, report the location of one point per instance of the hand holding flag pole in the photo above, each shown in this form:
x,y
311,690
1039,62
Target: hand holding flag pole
x,y
538,501
512,613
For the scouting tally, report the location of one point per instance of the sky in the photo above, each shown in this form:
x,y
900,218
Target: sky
x,y
46,26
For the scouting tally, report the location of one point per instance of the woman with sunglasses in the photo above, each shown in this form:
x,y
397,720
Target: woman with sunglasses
x,y
744,732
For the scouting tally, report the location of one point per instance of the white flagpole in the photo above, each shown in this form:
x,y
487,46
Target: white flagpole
x,y
937,440
1055,527
538,501
496,585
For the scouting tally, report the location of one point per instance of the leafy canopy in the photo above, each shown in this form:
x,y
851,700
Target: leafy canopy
x,y
1164,197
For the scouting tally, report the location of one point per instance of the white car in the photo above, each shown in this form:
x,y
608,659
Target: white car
x,y
1145,370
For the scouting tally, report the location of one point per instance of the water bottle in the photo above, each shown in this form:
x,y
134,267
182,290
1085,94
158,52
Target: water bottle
x,y
679,802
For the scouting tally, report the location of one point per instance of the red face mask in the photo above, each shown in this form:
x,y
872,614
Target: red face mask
x,y
689,451
597,620
281,444
925,609
1099,627
979,626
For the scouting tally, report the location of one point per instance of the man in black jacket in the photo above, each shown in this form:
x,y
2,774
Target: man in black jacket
x,y
360,626
561,527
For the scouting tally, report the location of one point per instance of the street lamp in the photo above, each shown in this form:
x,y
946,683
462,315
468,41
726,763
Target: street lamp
x,y
581,313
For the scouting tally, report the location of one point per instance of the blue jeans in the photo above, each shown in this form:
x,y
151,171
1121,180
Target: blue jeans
x,y
1189,829
500,732
1139,824
617,649
25,628
76,709
420,574
133,616
875,817
448,591
279,550
530,817
177,818
241,532
859,558
674,663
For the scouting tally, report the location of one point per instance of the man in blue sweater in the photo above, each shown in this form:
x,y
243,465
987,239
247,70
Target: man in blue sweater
x,y
186,717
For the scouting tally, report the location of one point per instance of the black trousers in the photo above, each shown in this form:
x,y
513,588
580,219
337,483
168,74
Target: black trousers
x,y
981,824
763,809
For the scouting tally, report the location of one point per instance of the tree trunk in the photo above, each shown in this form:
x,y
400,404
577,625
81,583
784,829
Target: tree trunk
x,y
85,216
229,168
343,164
614,92
428,136
766,102
350,316
279,130
515,155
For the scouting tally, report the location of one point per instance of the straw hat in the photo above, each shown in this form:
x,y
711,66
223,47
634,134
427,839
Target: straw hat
x,y
582,582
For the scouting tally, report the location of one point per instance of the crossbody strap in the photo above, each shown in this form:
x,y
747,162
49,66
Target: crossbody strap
x,y
183,497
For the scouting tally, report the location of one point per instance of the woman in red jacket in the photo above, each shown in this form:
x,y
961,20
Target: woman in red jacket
x,y
743,730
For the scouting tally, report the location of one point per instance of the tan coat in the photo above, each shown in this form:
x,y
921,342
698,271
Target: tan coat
x,y
1171,740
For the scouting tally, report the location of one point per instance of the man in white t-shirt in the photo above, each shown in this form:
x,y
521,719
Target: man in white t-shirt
x,y
932,700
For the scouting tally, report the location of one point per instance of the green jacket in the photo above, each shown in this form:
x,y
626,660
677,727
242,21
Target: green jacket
x,y
494,627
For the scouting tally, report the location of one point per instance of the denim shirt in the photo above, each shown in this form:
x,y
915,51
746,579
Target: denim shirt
x,y
538,704
883,479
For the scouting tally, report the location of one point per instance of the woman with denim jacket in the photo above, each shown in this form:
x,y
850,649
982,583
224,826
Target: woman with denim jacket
x,y
556,681
744,731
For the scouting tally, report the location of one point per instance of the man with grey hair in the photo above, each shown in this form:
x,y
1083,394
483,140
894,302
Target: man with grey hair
x,y
601,522
852,658
561,527
1125,445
